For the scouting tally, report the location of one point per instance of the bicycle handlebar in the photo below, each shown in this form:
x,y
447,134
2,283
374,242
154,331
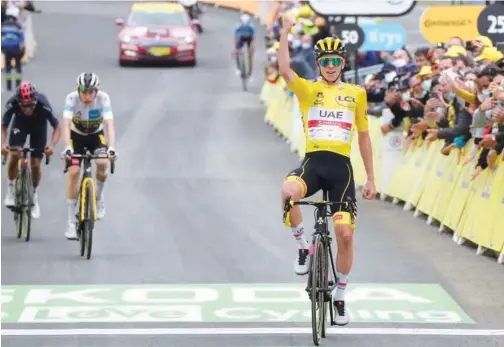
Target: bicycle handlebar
x,y
91,157
289,204
25,151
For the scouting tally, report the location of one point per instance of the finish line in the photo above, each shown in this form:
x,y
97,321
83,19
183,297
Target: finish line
x,y
252,331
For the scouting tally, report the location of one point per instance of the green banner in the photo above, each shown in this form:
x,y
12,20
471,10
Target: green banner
x,y
223,303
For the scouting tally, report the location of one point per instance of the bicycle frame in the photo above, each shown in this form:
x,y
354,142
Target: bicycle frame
x,y
322,230
87,178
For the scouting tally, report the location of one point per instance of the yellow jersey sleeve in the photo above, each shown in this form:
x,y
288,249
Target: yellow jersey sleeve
x,y
466,95
361,119
301,88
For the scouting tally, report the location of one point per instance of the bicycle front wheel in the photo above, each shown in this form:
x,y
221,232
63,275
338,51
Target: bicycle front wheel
x,y
25,204
318,274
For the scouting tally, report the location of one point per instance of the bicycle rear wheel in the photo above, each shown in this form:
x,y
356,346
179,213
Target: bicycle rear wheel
x,y
243,70
81,219
17,206
88,224
318,273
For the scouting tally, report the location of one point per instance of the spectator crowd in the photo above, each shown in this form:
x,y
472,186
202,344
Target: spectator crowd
x,y
453,91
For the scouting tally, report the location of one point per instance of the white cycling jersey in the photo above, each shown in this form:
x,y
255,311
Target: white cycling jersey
x,y
87,120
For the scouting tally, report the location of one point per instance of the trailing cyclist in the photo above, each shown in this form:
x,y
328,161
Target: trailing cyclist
x,y
331,111
86,118
244,34
12,44
31,112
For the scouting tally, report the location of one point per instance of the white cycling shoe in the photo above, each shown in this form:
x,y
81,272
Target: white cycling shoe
x,y
10,200
341,313
35,210
100,205
71,233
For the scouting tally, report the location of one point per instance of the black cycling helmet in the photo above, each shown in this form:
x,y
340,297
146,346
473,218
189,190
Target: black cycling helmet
x,y
88,81
330,45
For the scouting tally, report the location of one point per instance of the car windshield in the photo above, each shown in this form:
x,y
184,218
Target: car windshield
x,y
158,18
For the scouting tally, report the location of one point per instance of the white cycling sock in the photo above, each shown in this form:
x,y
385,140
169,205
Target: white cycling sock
x,y
300,237
99,189
71,206
341,286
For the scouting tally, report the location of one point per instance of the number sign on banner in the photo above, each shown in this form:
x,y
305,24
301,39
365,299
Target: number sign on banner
x,y
351,35
491,23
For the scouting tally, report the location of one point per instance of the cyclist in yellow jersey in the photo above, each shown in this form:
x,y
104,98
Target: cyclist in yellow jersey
x,y
331,111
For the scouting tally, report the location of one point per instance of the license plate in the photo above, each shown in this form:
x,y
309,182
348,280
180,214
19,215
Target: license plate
x,y
160,51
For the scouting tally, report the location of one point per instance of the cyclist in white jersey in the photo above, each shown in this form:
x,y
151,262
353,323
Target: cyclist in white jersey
x,y
86,115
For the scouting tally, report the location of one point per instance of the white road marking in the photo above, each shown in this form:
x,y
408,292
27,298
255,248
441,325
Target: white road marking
x,y
252,331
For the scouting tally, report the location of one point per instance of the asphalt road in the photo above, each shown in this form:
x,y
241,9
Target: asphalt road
x,y
193,237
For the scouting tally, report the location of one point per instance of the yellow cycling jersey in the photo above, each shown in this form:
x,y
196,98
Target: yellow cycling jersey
x,y
330,113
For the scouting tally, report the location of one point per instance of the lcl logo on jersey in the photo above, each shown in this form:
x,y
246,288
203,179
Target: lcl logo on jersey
x,y
345,100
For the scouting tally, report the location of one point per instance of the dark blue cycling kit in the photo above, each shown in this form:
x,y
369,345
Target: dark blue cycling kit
x,y
12,36
244,34
13,49
34,125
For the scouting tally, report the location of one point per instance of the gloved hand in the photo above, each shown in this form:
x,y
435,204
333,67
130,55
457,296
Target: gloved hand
x,y
67,152
111,152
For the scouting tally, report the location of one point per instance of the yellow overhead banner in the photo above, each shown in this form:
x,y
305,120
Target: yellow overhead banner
x,y
439,23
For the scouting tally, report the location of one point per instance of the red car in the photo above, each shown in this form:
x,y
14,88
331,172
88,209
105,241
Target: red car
x,y
157,32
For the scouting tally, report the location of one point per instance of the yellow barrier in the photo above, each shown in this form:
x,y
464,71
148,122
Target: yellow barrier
x,y
437,185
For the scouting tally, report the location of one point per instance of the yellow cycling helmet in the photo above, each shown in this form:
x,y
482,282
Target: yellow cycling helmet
x,y
330,45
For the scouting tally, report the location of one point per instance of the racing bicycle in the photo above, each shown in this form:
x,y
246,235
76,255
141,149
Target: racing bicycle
x,y
87,211
320,286
23,192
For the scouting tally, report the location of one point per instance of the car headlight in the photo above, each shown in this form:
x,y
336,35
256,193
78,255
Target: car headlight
x,y
187,39
128,39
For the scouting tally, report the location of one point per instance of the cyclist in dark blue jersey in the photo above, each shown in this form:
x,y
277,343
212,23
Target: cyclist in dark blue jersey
x,y
12,44
244,33
29,112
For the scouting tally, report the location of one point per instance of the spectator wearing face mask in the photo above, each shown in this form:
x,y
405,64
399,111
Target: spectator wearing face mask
x,y
376,86
400,58
298,62
402,103
309,53
452,118
488,121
